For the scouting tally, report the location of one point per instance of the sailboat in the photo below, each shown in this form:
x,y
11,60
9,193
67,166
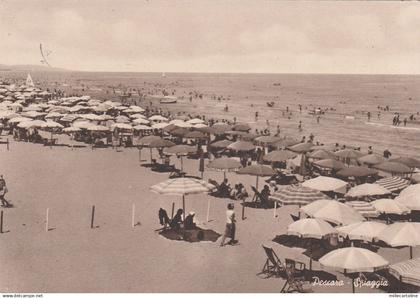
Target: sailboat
x,y
163,75
29,81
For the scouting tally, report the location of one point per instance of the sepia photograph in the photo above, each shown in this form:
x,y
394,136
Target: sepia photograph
x,y
209,146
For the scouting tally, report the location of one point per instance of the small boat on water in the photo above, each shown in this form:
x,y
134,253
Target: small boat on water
x,y
168,99
270,104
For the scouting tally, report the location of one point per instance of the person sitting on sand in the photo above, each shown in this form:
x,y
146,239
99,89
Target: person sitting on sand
x,y
177,220
163,217
224,188
189,223
387,153
239,193
264,196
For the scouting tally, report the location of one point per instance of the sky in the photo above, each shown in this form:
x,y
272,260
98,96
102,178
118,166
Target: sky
x,y
241,36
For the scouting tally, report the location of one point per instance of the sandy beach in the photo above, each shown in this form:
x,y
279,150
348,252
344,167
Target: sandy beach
x,y
116,257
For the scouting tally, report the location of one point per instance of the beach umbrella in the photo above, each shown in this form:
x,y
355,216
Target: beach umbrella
x,y
72,129
170,127
122,126
146,142
205,129
223,144
323,183
348,153
33,114
160,125
140,121
285,142
98,128
180,132
393,167
195,121
411,201
157,118
267,139
408,161
394,183
52,124
241,146
241,127
366,209
364,231
161,143
367,189
248,136
142,127
224,164
297,195
329,164
182,187
122,119
221,128
311,228
19,119
332,211
301,147
389,206
279,156
137,116
407,271
257,170
402,234
180,150
411,190
195,135
32,124
415,178
200,125
371,159
321,154
353,260
356,171
82,124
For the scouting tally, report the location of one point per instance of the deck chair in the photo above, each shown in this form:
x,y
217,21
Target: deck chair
x,y
294,283
272,266
294,217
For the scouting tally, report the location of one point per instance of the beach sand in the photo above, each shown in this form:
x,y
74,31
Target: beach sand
x,y
116,257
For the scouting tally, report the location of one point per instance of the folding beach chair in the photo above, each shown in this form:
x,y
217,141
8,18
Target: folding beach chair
x,y
294,283
272,266
294,217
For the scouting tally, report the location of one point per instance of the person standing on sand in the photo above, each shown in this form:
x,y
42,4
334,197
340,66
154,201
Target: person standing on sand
x,y
3,191
230,225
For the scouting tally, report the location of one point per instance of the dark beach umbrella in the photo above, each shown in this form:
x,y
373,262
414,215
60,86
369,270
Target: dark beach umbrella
x,y
248,136
195,135
408,161
321,154
393,167
241,127
209,130
348,153
171,127
180,132
221,128
267,140
241,146
146,142
224,164
285,142
371,159
329,164
180,150
223,144
301,147
356,172
257,170
279,156
161,143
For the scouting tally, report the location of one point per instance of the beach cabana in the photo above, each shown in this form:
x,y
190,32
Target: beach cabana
x,y
407,271
182,187
332,211
402,234
353,260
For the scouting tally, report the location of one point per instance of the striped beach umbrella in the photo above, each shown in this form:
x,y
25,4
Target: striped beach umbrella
x,y
182,187
394,183
365,231
366,209
297,195
407,271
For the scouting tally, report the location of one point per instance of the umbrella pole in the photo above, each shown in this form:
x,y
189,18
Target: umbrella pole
x,y
183,206
275,209
310,258
411,252
150,155
182,165
208,210
352,284
173,209
257,183
224,175
139,155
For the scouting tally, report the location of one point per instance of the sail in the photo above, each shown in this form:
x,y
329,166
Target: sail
x,y
29,81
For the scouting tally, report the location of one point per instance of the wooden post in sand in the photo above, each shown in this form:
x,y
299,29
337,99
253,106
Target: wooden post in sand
x,y
1,221
173,210
92,218
243,209
139,155
133,214
208,210
47,219
275,209
183,207
7,144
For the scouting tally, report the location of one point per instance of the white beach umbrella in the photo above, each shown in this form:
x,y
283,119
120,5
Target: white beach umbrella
x,y
389,206
195,121
140,121
157,118
160,125
367,189
411,190
137,115
19,119
332,211
366,230
52,124
323,183
123,126
142,127
411,201
402,234
311,228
